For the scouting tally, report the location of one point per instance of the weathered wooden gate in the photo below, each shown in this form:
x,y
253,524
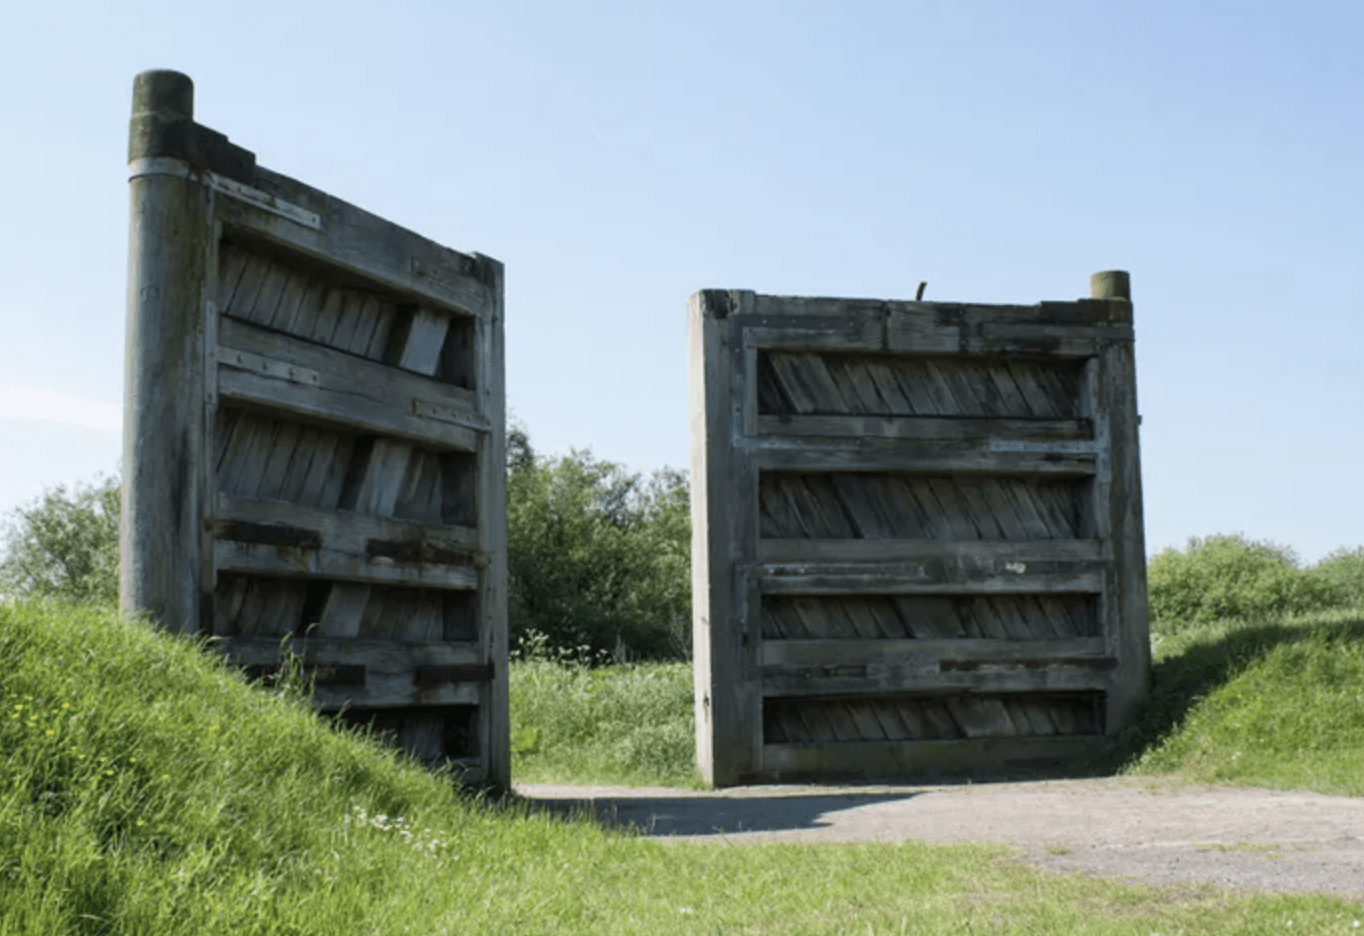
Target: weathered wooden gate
x,y
917,533
313,441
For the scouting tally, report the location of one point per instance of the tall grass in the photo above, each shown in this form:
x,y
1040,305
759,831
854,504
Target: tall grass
x,y
145,789
571,723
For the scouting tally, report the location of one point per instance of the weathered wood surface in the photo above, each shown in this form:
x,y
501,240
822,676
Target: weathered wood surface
x,y
924,429
363,245
170,247
925,619
374,673
894,501
332,436
864,760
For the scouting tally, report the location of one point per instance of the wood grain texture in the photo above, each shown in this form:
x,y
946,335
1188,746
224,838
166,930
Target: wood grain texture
x,y
944,508
170,290
936,717
984,758
365,247
807,383
927,617
347,420
936,500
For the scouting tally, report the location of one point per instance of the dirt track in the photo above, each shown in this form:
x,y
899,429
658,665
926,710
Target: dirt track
x,y
1157,830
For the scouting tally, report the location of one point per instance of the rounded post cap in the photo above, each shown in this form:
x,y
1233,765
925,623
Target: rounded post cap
x,y
168,94
1111,284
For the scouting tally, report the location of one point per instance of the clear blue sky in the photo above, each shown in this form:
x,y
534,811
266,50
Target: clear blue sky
x,y
618,157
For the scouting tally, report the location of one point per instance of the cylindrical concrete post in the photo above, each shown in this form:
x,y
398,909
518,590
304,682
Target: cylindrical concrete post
x,y
163,409
1111,284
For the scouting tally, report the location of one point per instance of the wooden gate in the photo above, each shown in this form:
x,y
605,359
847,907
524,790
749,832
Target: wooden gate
x,y
917,533
314,434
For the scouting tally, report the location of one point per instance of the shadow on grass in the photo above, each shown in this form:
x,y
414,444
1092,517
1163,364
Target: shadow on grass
x,y
713,814
1179,682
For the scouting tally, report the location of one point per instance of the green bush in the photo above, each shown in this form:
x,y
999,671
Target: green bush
x,y
65,544
1343,570
599,558
1230,576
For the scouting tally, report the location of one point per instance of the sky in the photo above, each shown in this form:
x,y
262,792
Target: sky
x,y
617,157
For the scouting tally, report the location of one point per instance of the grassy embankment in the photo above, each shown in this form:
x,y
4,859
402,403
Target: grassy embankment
x,y
146,789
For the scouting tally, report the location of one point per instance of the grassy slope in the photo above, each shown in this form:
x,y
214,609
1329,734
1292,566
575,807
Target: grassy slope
x,y
144,790
1278,704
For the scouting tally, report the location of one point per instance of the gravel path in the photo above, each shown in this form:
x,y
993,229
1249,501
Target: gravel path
x,y
1155,830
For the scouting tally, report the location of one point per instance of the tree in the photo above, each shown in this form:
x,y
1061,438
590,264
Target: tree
x,y
65,544
599,557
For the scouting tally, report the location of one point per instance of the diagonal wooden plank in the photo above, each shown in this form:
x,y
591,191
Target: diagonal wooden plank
x,y
243,297
273,281
328,315
290,298
232,262
386,464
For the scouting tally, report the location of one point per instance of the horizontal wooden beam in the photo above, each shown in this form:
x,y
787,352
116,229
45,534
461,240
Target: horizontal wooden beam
x,y
1081,312
1048,330
348,531
929,429
363,244
280,372
305,560
999,557
792,668
926,655
944,576
774,453
870,760
394,674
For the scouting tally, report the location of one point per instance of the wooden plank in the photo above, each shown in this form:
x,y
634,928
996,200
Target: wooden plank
x,y
728,717
982,757
364,245
999,556
367,380
925,656
341,408
934,457
1118,509
349,531
922,674
323,562
477,488
925,429
923,578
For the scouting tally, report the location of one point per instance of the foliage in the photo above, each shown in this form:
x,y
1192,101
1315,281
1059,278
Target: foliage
x,y
599,557
1343,570
65,544
571,723
146,789
1230,576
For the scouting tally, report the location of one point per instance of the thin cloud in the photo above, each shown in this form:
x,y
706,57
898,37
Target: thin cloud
x,y
43,403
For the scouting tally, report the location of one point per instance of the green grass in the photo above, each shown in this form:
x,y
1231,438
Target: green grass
x,y
1266,704
145,789
629,725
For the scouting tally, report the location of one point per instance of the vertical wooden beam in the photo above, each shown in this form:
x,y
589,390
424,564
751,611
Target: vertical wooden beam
x,y
1126,530
490,383
169,245
723,513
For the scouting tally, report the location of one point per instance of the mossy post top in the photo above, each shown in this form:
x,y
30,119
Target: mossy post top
x,y
162,126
